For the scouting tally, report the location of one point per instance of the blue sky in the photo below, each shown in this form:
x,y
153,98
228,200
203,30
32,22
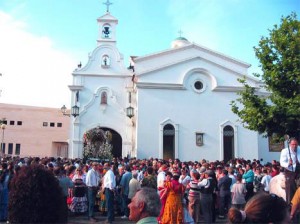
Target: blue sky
x,y
42,41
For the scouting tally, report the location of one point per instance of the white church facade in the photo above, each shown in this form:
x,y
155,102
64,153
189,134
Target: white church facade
x,y
180,98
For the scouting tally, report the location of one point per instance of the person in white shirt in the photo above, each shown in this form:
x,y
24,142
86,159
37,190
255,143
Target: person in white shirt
x,y
265,181
161,177
92,183
184,178
238,192
277,184
109,184
290,160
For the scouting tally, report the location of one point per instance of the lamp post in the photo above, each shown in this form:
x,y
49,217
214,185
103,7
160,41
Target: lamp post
x,y
74,111
130,111
3,126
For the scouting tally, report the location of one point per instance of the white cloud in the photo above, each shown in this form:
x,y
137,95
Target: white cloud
x,y
33,71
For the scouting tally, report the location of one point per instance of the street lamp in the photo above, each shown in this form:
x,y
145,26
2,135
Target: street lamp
x,y
74,111
3,126
130,111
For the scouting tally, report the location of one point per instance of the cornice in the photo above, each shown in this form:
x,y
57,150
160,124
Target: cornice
x,y
148,85
75,87
114,75
228,88
237,89
159,68
193,45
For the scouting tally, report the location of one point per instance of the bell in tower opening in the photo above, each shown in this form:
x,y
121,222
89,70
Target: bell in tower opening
x,y
106,31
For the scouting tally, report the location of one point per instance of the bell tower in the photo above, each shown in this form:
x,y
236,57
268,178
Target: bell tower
x,y
107,27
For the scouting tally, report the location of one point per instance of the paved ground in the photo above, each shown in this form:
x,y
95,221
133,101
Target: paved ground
x,y
82,219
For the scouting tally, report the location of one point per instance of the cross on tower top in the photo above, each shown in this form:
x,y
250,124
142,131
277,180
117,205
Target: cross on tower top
x,y
180,33
107,3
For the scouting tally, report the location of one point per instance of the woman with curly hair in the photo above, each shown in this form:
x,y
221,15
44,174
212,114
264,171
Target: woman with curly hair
x,y
36,197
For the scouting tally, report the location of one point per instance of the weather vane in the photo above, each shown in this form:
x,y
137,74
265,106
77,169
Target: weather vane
x,y
107,3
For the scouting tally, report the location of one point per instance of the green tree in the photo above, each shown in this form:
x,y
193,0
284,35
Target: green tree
x,y
279,111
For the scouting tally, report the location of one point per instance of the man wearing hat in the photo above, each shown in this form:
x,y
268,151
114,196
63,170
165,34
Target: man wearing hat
x,y
207,187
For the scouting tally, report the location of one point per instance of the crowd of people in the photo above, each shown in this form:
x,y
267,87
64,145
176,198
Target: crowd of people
x,y
242,191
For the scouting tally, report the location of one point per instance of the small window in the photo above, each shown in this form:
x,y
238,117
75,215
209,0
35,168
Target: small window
x,y
45,124
4,122
18,149
3,147
12,122
59,125
198,85
52,124
10,148
19,123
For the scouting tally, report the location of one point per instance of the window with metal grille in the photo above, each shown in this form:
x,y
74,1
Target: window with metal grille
x,y
10,148
18,149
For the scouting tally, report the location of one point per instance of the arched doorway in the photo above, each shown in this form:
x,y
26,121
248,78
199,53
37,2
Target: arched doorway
x,y
228,140
169,142
116,142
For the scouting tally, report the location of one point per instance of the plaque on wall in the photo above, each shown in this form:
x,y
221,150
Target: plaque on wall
x,y
275,146
199,138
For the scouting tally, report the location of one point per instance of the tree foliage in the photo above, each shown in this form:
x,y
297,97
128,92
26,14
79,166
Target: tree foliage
x,y
279,56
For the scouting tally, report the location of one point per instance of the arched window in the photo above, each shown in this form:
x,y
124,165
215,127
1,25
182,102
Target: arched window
x,y
169,142
228,141
103,98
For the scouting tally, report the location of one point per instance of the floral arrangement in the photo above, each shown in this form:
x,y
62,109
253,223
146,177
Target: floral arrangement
x,y
96,144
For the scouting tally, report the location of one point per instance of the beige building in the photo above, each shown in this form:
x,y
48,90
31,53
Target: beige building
x,y
34,131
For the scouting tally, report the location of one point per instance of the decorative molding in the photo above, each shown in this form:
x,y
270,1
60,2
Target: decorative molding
x,y
193,45
149,85
161,137
75,87
92,57
235,128
228,88
159,68
112,75
110,94
203,71
93,98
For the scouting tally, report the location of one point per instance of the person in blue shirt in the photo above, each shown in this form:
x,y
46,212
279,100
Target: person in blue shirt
x,y
248,176
125,190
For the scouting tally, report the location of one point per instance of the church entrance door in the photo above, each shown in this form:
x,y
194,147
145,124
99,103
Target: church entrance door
x,y
169,142
228,139
116,142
